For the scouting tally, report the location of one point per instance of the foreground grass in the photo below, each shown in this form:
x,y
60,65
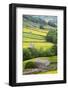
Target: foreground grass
x,y
48,72
51,59
27,64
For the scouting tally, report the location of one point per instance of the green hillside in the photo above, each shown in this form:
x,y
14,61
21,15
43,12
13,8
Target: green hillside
x,y
38,44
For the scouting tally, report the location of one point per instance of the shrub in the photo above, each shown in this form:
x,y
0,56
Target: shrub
x,y
30,53
52,24
45,53
41,27
52,36
34,52
54,49
29,65
49,52
42,52
26,54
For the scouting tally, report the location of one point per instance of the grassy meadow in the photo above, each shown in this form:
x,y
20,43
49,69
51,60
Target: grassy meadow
x,y
37,38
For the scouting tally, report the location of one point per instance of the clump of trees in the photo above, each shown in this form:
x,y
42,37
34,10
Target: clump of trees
x,y
26,54
52,36
52,24
41,26
30,53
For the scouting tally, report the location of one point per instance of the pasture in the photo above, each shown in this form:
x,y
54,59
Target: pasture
x,y
37,38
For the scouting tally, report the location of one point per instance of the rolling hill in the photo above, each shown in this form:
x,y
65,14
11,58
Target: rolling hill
x,y
37,21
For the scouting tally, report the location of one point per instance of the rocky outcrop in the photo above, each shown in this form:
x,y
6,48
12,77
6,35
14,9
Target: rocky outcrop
x,y
41,66
42,63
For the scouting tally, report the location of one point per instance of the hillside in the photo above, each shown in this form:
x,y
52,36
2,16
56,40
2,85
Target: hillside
x,y
39,53
43,22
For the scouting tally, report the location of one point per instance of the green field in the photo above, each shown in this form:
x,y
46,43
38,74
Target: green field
x,y
39,45
34,34
35,31
38,39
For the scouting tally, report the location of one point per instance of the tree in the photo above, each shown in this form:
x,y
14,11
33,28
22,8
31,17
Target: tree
x,y
41,26
26,54
52,36
52,24
54,49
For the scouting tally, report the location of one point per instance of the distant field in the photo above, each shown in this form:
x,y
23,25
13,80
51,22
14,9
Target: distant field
x,y
37,37
36,31
26,39
39,45
33,36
